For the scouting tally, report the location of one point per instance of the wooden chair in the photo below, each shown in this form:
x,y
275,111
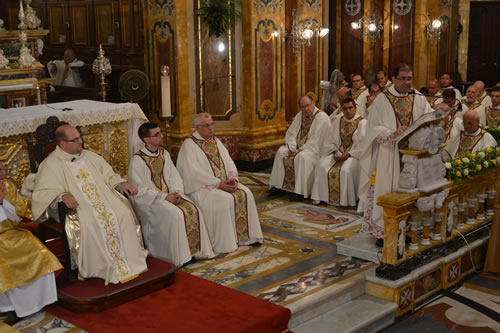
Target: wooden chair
x,y
51,232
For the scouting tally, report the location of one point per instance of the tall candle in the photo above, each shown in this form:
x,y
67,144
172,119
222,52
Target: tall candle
x,y
166,108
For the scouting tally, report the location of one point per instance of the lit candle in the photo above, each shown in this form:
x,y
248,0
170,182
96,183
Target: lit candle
x,y
166,109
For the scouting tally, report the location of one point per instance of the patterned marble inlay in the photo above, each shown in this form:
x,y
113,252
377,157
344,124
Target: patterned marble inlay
x,y
309,282
250,263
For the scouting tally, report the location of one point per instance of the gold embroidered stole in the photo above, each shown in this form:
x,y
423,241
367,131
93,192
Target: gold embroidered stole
x,y
357,92
449,126
403,108
289,179
480,99
432,99
191,216
467,143
105,218
492,117
209,147
346,131
471,106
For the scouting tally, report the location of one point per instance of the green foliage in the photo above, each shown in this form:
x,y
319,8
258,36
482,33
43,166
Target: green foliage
x,y
219,15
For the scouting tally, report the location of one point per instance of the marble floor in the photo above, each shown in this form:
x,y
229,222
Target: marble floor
x,y
298,264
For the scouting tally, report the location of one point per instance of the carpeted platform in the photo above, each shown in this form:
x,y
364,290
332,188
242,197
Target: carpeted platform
x,y
191,304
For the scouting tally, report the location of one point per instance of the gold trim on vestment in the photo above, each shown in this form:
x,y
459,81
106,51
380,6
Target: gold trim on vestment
x,y
467,142
402,107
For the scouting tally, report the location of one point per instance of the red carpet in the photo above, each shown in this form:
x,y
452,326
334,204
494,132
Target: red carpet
x,y
191,304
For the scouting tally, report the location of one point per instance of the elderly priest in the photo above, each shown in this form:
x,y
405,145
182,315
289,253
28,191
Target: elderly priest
x,y
109,245
471,138
27,267
294,163
211,180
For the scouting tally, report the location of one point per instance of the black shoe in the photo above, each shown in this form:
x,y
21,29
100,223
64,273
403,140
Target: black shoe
x,y
12,318
256,244
296,197
379,242
274,191
192,261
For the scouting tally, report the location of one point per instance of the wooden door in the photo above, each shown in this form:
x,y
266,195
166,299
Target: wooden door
x,y
484,43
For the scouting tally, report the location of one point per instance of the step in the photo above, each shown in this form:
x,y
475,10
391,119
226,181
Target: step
x,y
364,314
326,299
361,246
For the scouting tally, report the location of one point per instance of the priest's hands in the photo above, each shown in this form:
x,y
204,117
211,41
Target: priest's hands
x,y
129,189
174,198
341,157
400,130
70,201
3,190
229,185
294,152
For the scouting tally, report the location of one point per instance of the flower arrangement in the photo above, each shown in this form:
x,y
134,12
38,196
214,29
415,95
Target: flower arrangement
x,y
494,131
470,164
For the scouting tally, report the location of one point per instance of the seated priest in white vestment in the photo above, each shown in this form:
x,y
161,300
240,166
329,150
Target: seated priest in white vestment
x,y
336,177
445,82
493,111
471,102
434,91
294,163
67,71
211,181
391,113
27,281
109,245
470,139
359,93
483,98
383,80
173,227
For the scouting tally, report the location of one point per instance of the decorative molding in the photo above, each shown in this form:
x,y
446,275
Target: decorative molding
x,y
313,4
270,5
160,8
352,7
402,7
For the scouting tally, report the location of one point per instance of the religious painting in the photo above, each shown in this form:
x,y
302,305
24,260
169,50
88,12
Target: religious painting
x,y
18,100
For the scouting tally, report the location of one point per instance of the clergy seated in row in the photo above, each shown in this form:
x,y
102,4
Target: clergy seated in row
x,y
433,91
391,113
294,163
27,267
211,181
445,82
469,138
359,93
336,178
471,102
173,227
66,72
106,241
493,111
483,97
383,80
342,94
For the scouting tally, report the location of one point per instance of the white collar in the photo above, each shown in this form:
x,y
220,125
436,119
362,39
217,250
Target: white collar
x,y
356,116
393,91
476,133
150,153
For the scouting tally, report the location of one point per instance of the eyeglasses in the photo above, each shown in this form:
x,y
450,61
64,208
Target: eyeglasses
x,y
404,78
155,136
207,125
77,139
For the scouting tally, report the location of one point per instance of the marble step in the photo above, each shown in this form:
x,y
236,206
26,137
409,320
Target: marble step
x,y
364,314
361,246
326,299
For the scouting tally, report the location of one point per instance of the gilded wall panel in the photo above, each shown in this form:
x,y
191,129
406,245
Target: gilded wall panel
x,y
14,156
269,64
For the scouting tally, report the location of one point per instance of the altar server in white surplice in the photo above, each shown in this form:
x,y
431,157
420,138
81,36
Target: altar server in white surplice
x,y
172,225
27,281
336,178
471,139
105,238
391,113
294,163
211,181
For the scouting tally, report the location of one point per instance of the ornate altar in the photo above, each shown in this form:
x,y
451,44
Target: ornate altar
x,y
11,44
109,130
